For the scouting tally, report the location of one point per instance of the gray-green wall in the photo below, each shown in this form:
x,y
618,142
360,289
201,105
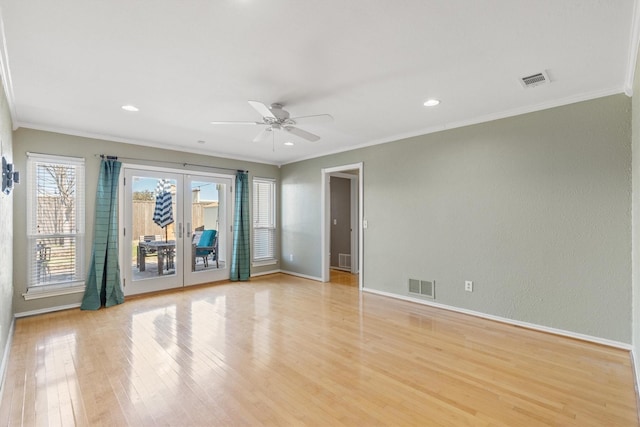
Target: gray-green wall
x,y
635,125
534,209
6,236
28,140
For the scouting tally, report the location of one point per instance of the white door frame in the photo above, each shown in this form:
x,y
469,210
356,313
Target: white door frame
x,y
225,234
325,226
184,173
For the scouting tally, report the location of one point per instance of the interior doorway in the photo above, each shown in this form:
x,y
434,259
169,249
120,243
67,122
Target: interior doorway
x,y
335,219
343,232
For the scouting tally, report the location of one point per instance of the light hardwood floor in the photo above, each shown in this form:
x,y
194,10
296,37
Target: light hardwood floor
x,y
281,350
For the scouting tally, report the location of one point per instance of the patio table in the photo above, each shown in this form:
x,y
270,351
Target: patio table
x,y
163,249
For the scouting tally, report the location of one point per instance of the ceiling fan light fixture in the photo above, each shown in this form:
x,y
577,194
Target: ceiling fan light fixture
x,y
131,108
276,118
431,102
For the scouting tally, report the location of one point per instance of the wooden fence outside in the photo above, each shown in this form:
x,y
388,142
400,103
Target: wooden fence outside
x,y
143,224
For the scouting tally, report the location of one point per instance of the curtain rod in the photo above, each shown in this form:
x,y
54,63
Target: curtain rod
x,y
183,164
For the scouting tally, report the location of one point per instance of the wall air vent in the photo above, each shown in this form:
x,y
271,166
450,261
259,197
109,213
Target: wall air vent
x,y
425,288
414,286
535,80
344,261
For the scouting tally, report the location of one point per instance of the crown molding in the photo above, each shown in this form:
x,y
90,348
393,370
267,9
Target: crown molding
x,y
5,74
397,137
481,119
143,143
632,55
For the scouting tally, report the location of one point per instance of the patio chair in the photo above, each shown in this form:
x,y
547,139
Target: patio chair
x,y
146,252
207,246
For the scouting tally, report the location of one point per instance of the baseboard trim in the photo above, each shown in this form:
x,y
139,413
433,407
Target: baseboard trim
x,y
5,357
533,326
46,310
635,363
304,276
264,273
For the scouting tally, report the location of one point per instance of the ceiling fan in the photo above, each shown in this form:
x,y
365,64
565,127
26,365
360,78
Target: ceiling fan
x,y
274,117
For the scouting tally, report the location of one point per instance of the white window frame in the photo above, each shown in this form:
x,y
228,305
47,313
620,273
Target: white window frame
x,y
272,259
76,285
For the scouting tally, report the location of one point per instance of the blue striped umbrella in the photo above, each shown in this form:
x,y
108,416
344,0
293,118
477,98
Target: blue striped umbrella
x,y
163,214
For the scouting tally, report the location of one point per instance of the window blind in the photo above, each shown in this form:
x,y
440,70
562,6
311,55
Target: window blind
x,y
55,220
264,219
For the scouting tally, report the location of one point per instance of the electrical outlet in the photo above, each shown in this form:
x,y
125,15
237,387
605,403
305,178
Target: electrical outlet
x,y
468,286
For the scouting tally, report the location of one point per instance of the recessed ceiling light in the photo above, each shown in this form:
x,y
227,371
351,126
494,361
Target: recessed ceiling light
x,y
201,141
289,143
132,108
431,102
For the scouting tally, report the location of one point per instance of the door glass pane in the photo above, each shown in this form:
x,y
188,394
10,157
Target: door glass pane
x,y
208,227
153,239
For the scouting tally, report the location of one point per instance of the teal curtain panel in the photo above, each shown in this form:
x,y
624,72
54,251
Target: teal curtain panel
x,y
241,253
103,282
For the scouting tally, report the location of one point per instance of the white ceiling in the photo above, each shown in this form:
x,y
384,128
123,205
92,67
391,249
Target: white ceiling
x,y
369,63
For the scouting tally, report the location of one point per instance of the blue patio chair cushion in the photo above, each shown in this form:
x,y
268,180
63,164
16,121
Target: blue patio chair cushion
x,y
206,240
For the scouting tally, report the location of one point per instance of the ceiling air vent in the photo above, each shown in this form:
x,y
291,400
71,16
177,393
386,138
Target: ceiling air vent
x,y
535,80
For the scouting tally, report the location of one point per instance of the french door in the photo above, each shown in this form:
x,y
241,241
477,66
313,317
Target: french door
x,y
176,229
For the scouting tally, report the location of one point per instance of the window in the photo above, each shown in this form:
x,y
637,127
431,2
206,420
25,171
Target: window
x,y
264,220
55,222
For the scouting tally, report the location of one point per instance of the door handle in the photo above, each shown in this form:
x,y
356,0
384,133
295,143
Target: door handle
x,y
180,230
188,229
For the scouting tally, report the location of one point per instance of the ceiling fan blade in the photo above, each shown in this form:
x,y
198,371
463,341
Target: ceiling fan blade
x,y
262,109
316,118
236,123
263,135
301,133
